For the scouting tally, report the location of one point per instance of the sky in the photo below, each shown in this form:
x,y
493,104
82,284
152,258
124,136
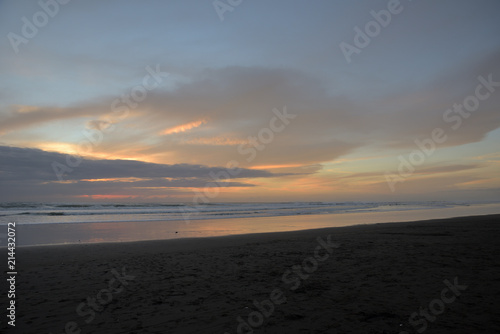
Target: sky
x,y
251,100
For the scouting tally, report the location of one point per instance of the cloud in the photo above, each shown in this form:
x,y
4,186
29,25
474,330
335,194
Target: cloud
x,y
205,119
219,109
184,127
25,163
413,111
435,170
29,172
24,117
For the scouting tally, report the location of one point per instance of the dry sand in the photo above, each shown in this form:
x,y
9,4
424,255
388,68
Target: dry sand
x,y
372,283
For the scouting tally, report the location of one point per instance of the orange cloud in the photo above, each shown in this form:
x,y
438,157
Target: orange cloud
x,y
216,141
22,109
124,179
65,148
107,196
88,151
184,127
276,166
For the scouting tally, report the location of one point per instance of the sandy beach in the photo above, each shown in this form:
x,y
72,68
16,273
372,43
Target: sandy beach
x,y
438,276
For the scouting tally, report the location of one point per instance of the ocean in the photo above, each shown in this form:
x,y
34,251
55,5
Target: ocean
x,y
53,213
69,223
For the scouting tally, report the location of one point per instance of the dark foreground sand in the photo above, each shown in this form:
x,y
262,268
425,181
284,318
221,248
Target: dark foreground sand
x,y
372,283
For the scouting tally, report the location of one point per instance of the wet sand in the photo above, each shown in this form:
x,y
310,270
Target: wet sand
x,y
437,276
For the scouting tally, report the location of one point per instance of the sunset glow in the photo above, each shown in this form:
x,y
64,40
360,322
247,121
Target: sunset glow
x,y
184,127
179,102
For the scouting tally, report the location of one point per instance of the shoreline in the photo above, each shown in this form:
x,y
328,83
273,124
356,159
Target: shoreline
x,y
261,235
83,233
